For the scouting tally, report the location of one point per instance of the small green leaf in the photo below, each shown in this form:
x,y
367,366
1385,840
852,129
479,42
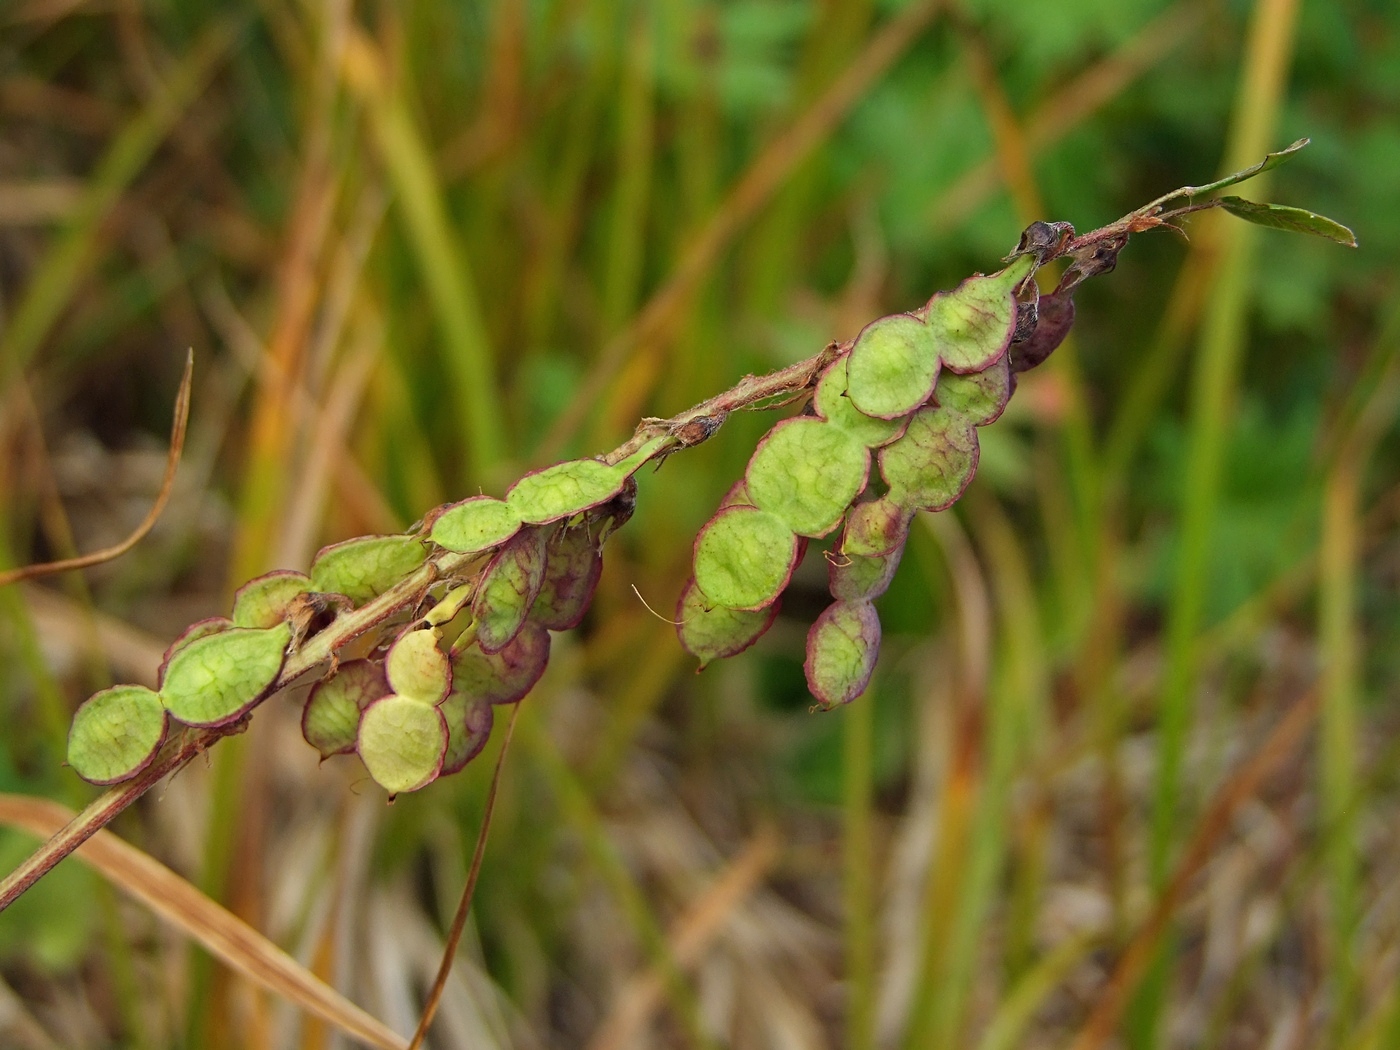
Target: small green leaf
x,y
468,728
892,366
980,396
116,733
856,577
973,324
330,721
875,528
402,743
417,668
473,525
833,405
506,676
931,465
564,490
214,680
366,567
807,472
507,589
573,564
1196,194
1294,220
263,601
841,650
744,557
709,632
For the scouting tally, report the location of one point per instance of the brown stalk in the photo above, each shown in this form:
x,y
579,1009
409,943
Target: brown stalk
x,y
167,485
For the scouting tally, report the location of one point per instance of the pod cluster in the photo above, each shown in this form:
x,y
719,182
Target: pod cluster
x,y
892,430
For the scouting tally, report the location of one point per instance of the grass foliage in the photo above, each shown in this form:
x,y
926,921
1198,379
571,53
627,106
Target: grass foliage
x,y
1128,766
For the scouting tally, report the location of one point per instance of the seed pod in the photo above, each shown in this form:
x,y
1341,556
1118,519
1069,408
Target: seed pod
x,y
807,472
573,564
841,650
973,323
931,465
215,679
116,733
875,528
980,396
195,631
507,589
709,631
402,743
330,721
417,668
834,405
564,490
468,728
856,577
366,567
892,366
263,601
744,558
506,676
473,525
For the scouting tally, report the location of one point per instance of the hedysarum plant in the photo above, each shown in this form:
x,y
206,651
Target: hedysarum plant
x,y
457,613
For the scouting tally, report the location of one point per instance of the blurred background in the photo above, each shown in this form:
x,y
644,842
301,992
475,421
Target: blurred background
x,y
1127,774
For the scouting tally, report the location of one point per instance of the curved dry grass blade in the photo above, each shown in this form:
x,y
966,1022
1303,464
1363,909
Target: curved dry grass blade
x,y
167,485
459,921
219,931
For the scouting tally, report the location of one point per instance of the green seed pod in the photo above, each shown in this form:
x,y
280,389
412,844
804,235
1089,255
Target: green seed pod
x,y
507,589
468,728
573,563
473,525
709,632
565,489
263,601
807,472
330,721
980,396
737,496
931,465
195,631
744,558
875,528
832,404
855,577
364,568
417,668
973,323
116,733
216,679
841,650
402,743
506,676
892,366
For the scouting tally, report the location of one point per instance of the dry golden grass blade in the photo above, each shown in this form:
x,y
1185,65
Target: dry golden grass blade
x,y
769,171
167,485
692,934
223,935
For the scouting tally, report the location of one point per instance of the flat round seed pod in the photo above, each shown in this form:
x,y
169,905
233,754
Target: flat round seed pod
x,y
709,632
473,525
744,557
573,564
366,567
192,633
737,496
807,472
892,366
402,742
980,396
507,588
931,465
468,728
875,528
417,668
506,676
217,678
116,733
330,721
263,600
565,489
856,577
834,405
841,650
973,323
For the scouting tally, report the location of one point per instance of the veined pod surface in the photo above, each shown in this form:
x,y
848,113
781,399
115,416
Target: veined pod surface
x,y
573,563
857,577
807,472
217,678
473,525
892,366
709,631
973,323
505,676
263,601
875,528
507,589
469,723
980,396
930,466
744,557
565,489
116,733
841,650
366,567
402,742
330,721
417,668
834,405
